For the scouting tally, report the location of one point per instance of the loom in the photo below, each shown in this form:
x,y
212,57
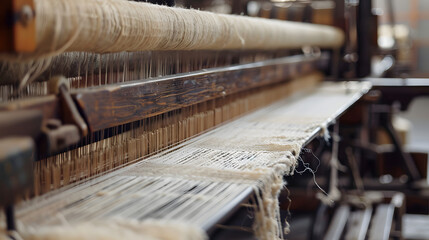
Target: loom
x,y
132,120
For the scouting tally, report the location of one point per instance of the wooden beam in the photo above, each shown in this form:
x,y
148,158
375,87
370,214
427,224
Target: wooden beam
x,y
17,26
112,105
338,223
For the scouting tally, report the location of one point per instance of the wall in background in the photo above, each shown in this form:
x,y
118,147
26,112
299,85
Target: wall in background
x,y
415,15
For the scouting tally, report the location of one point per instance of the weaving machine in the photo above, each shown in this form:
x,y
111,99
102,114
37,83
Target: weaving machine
x,y
126,120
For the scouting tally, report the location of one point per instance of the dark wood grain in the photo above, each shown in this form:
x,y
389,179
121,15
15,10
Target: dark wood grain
x,y
109,106
6,29
48,105
113,105
17,34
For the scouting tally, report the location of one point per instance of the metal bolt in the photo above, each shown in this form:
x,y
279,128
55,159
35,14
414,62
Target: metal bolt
x,y
26,15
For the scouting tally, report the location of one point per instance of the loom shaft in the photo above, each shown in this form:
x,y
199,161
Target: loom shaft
x,y
130,26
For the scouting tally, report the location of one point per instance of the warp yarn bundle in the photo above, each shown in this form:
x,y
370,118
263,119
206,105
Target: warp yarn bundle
x,y
194,182
102,26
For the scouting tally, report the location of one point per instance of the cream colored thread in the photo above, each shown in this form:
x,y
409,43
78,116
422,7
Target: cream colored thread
x,y
132,194
115,25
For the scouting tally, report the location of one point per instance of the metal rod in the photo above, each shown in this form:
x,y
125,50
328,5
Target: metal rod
x,y
10,218
408,161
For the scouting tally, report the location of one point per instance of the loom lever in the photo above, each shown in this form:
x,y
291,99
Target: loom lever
x,y
69,113
58,134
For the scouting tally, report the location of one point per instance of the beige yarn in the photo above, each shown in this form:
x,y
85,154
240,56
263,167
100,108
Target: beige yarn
x,y
114,229
195,181
115,25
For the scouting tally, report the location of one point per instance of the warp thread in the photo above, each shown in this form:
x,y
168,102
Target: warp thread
x,y
243,145
113,229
